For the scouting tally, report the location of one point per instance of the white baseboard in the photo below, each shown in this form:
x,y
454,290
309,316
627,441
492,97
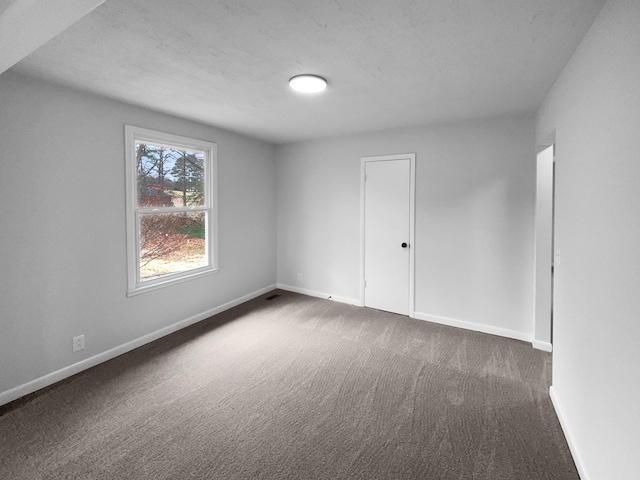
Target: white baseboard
x,y
314,293
477,327
51,378
452,322
568,433
544,346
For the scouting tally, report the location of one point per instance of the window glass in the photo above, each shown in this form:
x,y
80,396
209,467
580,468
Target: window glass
x,y
171,243
167,177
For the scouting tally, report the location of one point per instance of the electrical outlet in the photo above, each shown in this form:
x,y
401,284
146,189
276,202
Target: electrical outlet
x,y
299,277
78,343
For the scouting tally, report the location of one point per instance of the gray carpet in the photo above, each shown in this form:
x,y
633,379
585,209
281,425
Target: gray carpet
x,y
298,388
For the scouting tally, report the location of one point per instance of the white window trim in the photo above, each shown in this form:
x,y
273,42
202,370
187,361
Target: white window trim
x,y
134,285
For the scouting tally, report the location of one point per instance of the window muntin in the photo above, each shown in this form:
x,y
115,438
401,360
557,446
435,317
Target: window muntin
x,y
171,208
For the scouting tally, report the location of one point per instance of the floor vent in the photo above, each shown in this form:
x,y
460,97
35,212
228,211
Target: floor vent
x,y
273,296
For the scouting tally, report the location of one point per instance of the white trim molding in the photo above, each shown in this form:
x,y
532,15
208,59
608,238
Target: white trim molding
x,y
544,346
568,433
451,322
477,327
315,293
66,372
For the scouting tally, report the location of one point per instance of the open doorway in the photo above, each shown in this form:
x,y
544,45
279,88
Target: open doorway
x,y
543,257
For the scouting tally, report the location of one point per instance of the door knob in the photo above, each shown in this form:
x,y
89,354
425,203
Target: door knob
x,y
404,245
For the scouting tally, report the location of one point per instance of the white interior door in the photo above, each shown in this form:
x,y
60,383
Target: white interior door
x,y
388,233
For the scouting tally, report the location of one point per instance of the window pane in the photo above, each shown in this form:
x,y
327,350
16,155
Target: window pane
x,y
171,243
168,177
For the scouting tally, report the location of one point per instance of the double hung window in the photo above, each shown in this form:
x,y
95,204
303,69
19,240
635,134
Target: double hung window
x,y
171,208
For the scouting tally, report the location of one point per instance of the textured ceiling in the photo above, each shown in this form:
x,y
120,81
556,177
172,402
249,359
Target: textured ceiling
x,y
389,63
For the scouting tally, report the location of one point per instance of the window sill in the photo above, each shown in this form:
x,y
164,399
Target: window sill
x,y
162,283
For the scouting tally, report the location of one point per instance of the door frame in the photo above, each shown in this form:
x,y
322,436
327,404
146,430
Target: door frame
x,y
412,207
543,258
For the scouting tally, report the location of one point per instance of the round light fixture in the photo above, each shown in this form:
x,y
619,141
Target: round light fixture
x,y
308,83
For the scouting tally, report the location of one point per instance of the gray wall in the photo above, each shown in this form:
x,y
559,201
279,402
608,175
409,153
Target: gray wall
x,y
63,255
475,188
594,110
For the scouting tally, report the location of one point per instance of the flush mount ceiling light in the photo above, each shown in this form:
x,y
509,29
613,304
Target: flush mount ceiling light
x,y
308,83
